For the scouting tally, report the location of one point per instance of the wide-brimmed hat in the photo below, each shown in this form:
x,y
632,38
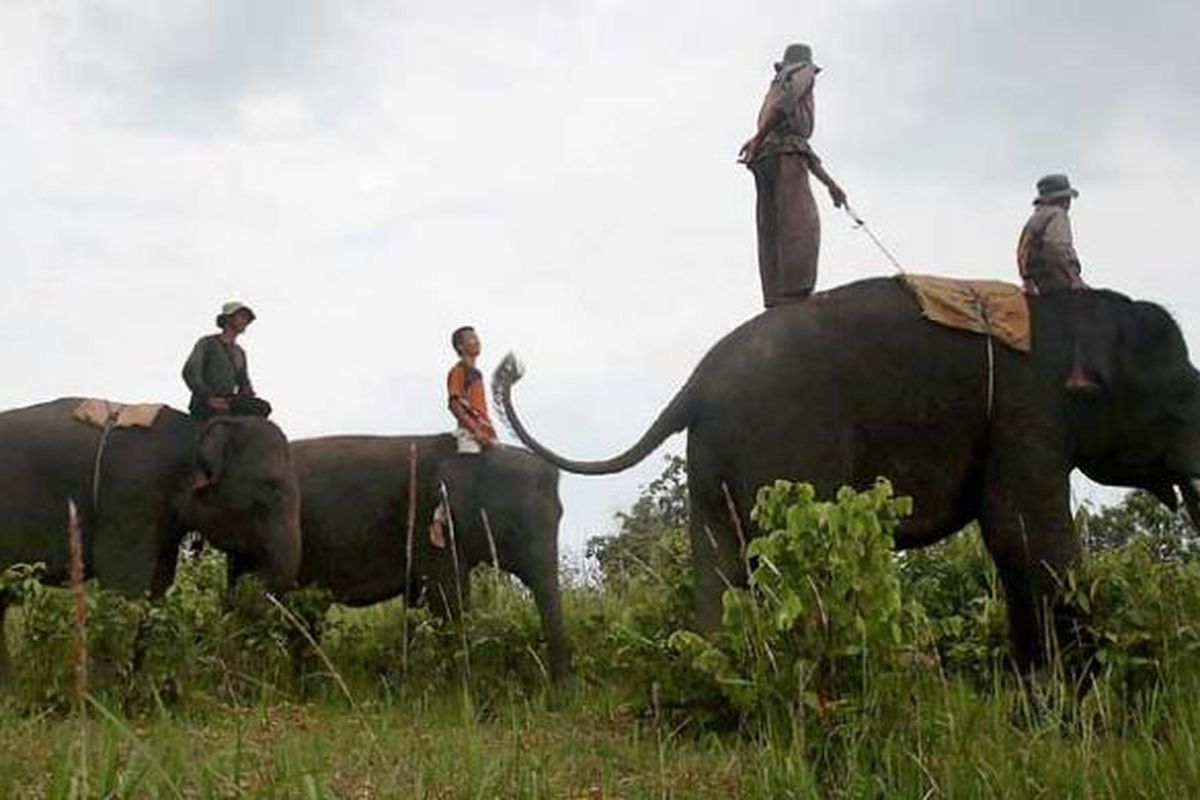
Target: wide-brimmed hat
x,y
1054,187
231,308
795,54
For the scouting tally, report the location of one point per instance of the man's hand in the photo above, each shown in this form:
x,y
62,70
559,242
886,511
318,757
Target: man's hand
x,y
749,150
837,195
217,403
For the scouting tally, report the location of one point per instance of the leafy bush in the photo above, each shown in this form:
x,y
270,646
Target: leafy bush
x,y
824,614
956,585
1141,614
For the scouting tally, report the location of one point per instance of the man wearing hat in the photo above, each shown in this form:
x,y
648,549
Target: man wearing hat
x,y
216,370
1045,252
1047,261
779,155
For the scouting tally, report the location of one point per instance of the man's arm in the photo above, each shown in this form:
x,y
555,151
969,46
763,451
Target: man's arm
x,y
750,149
1058,247
193,371
782,96
245,387
835,192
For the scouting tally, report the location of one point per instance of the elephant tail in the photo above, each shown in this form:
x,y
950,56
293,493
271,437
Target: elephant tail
x,y
675,417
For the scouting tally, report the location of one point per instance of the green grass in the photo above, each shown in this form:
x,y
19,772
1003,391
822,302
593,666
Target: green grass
x,y
226,700
952,741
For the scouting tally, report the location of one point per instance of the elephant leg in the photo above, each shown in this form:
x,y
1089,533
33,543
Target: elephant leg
x,y
167,560
716,550
236,568
548,597
1027,529
446,586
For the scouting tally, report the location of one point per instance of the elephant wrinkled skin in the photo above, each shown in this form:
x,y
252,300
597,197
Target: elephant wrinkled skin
x,y
230,479
355,493
854,384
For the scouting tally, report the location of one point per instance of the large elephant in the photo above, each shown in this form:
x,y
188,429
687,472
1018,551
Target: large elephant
x,y
230,479
854,384
354,519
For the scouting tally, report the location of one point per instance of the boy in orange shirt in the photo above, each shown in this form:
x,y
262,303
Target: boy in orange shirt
x,y
468,404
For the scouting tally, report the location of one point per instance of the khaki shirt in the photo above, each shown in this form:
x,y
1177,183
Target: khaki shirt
x,y
788,109
1046,251
216,369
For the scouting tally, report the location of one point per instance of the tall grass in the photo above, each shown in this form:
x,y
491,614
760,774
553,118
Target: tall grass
x,y
842,672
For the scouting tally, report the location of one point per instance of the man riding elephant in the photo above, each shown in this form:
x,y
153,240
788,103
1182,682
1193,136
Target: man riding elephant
x,y
467,401
141,489
1048,263
216,372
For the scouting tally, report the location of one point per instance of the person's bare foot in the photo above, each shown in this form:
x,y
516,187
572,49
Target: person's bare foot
x,y
436,536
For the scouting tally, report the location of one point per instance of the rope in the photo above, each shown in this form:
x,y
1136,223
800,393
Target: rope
x,y
860,223
109,423
991,381
981,307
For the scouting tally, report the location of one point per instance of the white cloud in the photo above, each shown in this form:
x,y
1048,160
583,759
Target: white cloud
x,y
369,176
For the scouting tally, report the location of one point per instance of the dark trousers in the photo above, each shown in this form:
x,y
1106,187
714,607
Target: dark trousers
x,y
789,230
240,405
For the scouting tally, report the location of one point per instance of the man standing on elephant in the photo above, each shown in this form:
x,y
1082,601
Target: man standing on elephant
x,y
468,404
779,155
216,371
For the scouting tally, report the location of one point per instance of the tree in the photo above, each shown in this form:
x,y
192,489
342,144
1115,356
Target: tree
x,y
1138,515
660,510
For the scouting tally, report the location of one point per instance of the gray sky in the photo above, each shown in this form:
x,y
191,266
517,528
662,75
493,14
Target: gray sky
x,y
370,175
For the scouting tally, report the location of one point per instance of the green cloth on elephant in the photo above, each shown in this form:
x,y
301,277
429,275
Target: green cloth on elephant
x,y
995,308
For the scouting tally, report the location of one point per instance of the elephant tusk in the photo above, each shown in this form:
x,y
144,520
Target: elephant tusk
x,y
1191,500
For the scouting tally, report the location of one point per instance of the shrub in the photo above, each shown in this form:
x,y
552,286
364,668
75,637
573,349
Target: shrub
x,y
823,615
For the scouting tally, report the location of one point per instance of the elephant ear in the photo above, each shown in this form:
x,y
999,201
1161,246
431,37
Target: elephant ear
x,y
211,452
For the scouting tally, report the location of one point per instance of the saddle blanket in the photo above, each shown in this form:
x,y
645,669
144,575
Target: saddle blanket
x,y
104,413
994,308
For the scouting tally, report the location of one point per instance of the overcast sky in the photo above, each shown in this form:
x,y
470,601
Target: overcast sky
x,y
369,175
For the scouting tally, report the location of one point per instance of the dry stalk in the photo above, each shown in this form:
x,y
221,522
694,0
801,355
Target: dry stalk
x,y
79,651
408,554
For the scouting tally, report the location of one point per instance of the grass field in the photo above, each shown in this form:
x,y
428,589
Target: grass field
x,y
894,683
955,743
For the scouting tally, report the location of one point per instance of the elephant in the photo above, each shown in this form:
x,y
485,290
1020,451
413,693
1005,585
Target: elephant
x,y
853,384
140,490
355,492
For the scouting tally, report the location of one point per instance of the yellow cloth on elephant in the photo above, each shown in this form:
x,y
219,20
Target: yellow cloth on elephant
x,y
103,413
995,308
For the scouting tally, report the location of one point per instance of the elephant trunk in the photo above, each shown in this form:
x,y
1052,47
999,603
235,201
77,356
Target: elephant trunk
x,y
1191,500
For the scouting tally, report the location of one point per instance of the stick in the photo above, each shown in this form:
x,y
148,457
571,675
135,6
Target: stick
x,y
462,625
860,223
408,553
79,650
487,528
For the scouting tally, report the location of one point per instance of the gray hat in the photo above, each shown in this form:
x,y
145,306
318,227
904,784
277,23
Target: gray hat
x,y
1054,187
795,54
231,308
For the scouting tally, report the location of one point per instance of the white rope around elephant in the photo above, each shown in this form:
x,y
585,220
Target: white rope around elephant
x,y
981,307
109,423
